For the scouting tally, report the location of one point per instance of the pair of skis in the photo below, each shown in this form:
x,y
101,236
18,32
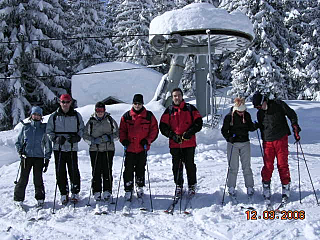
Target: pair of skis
x,y
126,211
187,206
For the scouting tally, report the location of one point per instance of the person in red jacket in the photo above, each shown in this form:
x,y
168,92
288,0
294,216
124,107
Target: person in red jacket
x,y
138,129
180,122
275,130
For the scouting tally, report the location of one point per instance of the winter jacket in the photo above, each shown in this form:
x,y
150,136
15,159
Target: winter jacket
x,y
273,123
178,120
96,128
65,124
138,128
237,127
33,140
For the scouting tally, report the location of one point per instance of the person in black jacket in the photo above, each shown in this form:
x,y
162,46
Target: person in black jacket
x,y
235,130
274,129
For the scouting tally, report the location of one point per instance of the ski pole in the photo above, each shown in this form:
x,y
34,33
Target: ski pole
x,y
73,174
260,144
58,175
146,154
298,173
124,156
308,173
110,176
93,174
16,181
225,185
180,172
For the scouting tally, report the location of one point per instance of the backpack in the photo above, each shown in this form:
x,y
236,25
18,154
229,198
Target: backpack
x,y
110,120
55,117
127,116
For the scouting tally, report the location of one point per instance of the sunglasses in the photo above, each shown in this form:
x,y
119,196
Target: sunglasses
x,y
136,103
65,102
100,110
37,114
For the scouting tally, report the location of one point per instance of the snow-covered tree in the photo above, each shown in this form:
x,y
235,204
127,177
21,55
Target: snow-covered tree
x,y
132,28
260,66
29,74
89,41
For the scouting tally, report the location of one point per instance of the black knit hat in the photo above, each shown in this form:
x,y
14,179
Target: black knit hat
x,y
138,98
258,99
100,105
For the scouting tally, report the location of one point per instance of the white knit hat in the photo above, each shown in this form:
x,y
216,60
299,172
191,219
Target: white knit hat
x,y
239,105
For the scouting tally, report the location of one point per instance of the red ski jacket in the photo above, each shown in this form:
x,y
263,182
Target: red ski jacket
x,y
178,120
136,127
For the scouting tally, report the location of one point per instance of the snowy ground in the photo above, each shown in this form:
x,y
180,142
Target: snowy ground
x,y
209,220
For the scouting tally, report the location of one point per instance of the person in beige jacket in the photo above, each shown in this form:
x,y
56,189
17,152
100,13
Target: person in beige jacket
x,y
100,133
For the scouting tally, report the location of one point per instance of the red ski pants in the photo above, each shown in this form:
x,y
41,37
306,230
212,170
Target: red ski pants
x,y
279,149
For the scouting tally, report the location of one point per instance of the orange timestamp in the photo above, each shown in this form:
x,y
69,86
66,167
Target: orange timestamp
x,y
273,215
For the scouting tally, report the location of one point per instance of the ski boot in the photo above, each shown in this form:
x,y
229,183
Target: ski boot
x,y
233,195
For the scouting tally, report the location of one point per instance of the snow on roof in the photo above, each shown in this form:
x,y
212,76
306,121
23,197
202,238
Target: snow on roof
x,y
91,88
200,16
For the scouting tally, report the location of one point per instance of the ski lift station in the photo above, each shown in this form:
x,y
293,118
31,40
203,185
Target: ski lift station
x,y
201,30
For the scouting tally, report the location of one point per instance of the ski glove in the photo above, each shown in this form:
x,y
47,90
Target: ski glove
x,y
96,140
125,143
144,142
46,164
60,140
231,139
186,136
177,138
296,130
74,138
106,138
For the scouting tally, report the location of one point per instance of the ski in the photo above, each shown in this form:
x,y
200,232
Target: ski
x,y
172,206
127,208
247,208
268,204
188,204
283,203
234,200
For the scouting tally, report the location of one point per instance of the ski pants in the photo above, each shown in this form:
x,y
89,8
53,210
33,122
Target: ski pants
x,y
279,149
70,160
101,163
20,188
236,151
135,163
184,156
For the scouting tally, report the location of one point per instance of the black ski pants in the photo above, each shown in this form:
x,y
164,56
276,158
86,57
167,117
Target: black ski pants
x,y
135,163
184,156
101,163
20,188
70,160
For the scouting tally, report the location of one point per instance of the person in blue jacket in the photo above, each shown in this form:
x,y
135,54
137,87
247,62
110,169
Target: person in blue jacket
x,y
34,148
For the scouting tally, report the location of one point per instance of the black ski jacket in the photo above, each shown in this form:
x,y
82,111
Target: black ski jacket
x,y
238,128
273,123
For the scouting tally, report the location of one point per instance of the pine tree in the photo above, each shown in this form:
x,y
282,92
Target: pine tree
x,y
89,43
132,28
259,68
30,75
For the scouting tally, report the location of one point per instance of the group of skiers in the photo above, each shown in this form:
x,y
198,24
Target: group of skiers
x,y
138,129
274,130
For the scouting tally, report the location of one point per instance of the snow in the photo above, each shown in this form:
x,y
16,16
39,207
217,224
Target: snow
x,y
200,16
209,220
91,88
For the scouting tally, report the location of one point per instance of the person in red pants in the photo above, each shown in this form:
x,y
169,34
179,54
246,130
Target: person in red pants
x,y
274,129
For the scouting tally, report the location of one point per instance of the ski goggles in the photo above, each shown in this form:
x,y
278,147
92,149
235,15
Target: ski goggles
x,y
100,110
